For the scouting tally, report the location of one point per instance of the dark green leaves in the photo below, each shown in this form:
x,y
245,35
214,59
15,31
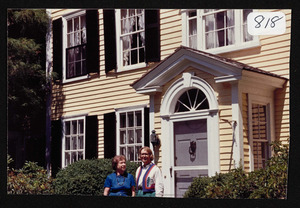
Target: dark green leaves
x,y
86,177
268,183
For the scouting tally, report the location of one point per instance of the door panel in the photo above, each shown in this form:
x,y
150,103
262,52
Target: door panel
x,y
190,150
186,133
184,178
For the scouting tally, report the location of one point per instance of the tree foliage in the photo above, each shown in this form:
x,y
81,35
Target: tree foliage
x,y
27,84
29,23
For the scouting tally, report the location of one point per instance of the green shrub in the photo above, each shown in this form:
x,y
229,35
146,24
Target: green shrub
x,y
270,182
232,185
198,187
31,179
9,160
86,177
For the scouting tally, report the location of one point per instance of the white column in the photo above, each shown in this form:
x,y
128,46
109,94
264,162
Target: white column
x,y
167,157
237,125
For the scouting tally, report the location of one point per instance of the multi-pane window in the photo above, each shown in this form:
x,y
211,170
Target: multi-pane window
x,y
219,28
131,36
130,134
216,28
73,141
260,135
76,46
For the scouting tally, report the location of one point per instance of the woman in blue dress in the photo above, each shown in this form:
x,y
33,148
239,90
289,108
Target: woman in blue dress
x,y
119,183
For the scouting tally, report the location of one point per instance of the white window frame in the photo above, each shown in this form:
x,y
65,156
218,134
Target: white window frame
x,y
119,111
63,148
65,18
119,47
268,102
239,44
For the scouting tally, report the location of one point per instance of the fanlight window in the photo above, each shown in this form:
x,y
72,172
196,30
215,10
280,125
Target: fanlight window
x,y
192,100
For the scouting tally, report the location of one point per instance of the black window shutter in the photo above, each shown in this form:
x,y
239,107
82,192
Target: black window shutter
x,y
146,127
152,35
57,47
91,137
92,27
109,39
109,135
56,148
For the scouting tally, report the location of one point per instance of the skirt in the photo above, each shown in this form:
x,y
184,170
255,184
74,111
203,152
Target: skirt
x,y
140,193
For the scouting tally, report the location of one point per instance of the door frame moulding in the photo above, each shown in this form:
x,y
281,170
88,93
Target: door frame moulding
x,y
188,81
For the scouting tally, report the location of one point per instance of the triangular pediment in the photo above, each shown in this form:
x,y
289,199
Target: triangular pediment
x,y
223,69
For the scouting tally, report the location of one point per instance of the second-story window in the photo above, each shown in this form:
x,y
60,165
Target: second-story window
x,y
217,30
131,38
130,33
76,46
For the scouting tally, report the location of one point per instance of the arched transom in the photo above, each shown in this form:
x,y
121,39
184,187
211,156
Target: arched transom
x,y
191,100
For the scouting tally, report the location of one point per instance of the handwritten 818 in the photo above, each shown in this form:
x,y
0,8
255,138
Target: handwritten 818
x,y
260,20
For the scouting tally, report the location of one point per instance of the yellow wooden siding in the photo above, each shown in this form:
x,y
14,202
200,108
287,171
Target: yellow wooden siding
x,y
246,132
56,13
101,94
102,46
171,31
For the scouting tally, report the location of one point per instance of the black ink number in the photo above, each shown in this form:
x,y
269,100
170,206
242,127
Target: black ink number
x,y
273,20
260,18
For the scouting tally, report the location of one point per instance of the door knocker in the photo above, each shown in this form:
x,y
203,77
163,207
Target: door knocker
x,y
192,148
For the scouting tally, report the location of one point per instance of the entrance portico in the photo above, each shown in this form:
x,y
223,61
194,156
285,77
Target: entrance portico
x,y
187,86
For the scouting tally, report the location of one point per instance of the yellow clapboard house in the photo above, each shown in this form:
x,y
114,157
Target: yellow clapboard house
x,y
215,95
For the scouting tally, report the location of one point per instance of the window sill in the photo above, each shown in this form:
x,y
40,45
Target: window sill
x,y
247,45
132,67
76,79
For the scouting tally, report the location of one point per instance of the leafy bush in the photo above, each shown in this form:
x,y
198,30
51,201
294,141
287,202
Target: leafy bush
x,y
31,179
9,161
270,182
198,187
231,185
86,177
228,186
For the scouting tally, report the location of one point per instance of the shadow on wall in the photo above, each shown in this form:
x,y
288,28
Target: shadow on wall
x,y
282,108
243,53
156,154
58,100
